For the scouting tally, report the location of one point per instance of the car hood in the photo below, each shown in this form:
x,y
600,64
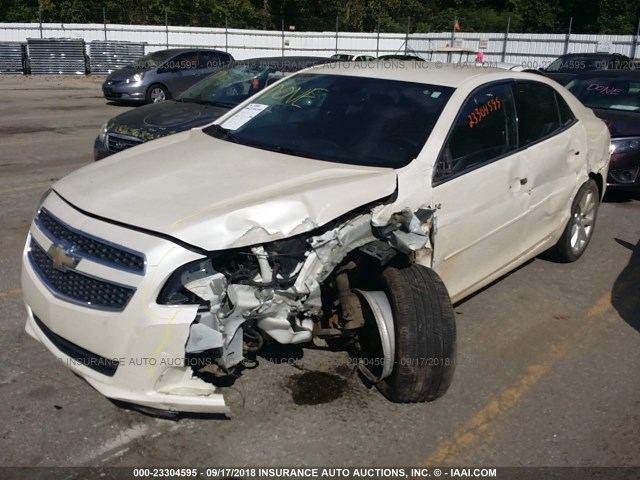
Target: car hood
x,y
215,194
164,118
620,123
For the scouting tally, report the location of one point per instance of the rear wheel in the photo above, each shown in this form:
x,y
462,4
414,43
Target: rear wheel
x,y
424,335
579,229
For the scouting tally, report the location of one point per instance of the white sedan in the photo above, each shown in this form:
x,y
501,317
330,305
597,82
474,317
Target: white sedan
x,y
345,202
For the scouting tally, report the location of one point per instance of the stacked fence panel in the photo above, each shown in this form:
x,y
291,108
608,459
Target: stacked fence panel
x,y
107,56
57,56
12,60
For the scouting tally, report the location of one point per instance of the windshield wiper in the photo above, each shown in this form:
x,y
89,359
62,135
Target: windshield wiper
x,y
275,148
227,133
217,104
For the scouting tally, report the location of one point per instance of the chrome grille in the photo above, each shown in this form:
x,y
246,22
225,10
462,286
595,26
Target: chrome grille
x,y
117,143
77,287
85,246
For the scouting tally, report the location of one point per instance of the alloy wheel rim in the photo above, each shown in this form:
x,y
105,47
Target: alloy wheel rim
x,y
582,222
157,95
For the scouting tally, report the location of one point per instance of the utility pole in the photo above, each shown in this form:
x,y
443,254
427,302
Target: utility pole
x,y
566,44
506,40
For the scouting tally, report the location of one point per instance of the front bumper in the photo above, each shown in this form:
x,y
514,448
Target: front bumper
x,y
100,150
135,355
125,92
624,172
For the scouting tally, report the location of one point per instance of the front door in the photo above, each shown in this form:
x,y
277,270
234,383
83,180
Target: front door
x,y
480,192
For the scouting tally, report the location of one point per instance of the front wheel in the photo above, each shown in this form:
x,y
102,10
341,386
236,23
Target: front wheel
x,y
424,335
579,229
157,93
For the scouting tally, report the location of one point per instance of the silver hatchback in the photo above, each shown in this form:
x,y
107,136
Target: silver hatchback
x,y
162,75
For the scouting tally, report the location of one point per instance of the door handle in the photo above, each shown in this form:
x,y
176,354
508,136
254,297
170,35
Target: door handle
x,y
577,152
523,181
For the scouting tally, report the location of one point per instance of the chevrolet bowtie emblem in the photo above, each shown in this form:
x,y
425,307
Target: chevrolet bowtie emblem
x,y
62,255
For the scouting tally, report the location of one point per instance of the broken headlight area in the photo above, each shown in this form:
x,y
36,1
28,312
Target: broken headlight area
x,y
241,295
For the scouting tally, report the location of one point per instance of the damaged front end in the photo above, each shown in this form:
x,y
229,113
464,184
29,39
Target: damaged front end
x,y
318,284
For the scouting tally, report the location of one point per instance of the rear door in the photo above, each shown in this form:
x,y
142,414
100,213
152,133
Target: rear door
x,y
554,149
181,72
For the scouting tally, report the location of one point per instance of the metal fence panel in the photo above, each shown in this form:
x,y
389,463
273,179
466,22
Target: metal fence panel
x,y
57,56
107,56
12,60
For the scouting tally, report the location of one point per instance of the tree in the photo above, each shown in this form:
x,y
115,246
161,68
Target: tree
x,y
538,16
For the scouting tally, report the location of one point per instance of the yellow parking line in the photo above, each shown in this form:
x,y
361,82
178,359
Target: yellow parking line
x,y
601,306
11,293
507,400
22,188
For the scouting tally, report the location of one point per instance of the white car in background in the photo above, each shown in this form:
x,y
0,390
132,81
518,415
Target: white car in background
x,y
353,57
341,202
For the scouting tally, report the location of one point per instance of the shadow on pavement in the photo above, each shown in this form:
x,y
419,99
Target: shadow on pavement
x,y
625,294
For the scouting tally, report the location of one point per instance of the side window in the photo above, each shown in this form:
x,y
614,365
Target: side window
x,y
566,115
484,131
210,60
538,112
184,61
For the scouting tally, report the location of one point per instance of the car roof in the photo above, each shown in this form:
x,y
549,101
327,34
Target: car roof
x,y
291,63
287,59
434,73
183,50
592,55
398,56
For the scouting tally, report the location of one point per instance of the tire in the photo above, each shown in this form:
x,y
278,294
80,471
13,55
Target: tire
x,y
425,335
157,93
579,229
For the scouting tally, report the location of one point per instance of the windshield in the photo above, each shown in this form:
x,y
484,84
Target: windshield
x,y
153,59
231,86
610,93
345,119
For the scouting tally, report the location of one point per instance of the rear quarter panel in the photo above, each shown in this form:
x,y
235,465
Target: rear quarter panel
x,y
598,138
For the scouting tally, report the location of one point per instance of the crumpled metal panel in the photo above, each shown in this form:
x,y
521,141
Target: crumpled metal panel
x,y
108,56
57,56
12,58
